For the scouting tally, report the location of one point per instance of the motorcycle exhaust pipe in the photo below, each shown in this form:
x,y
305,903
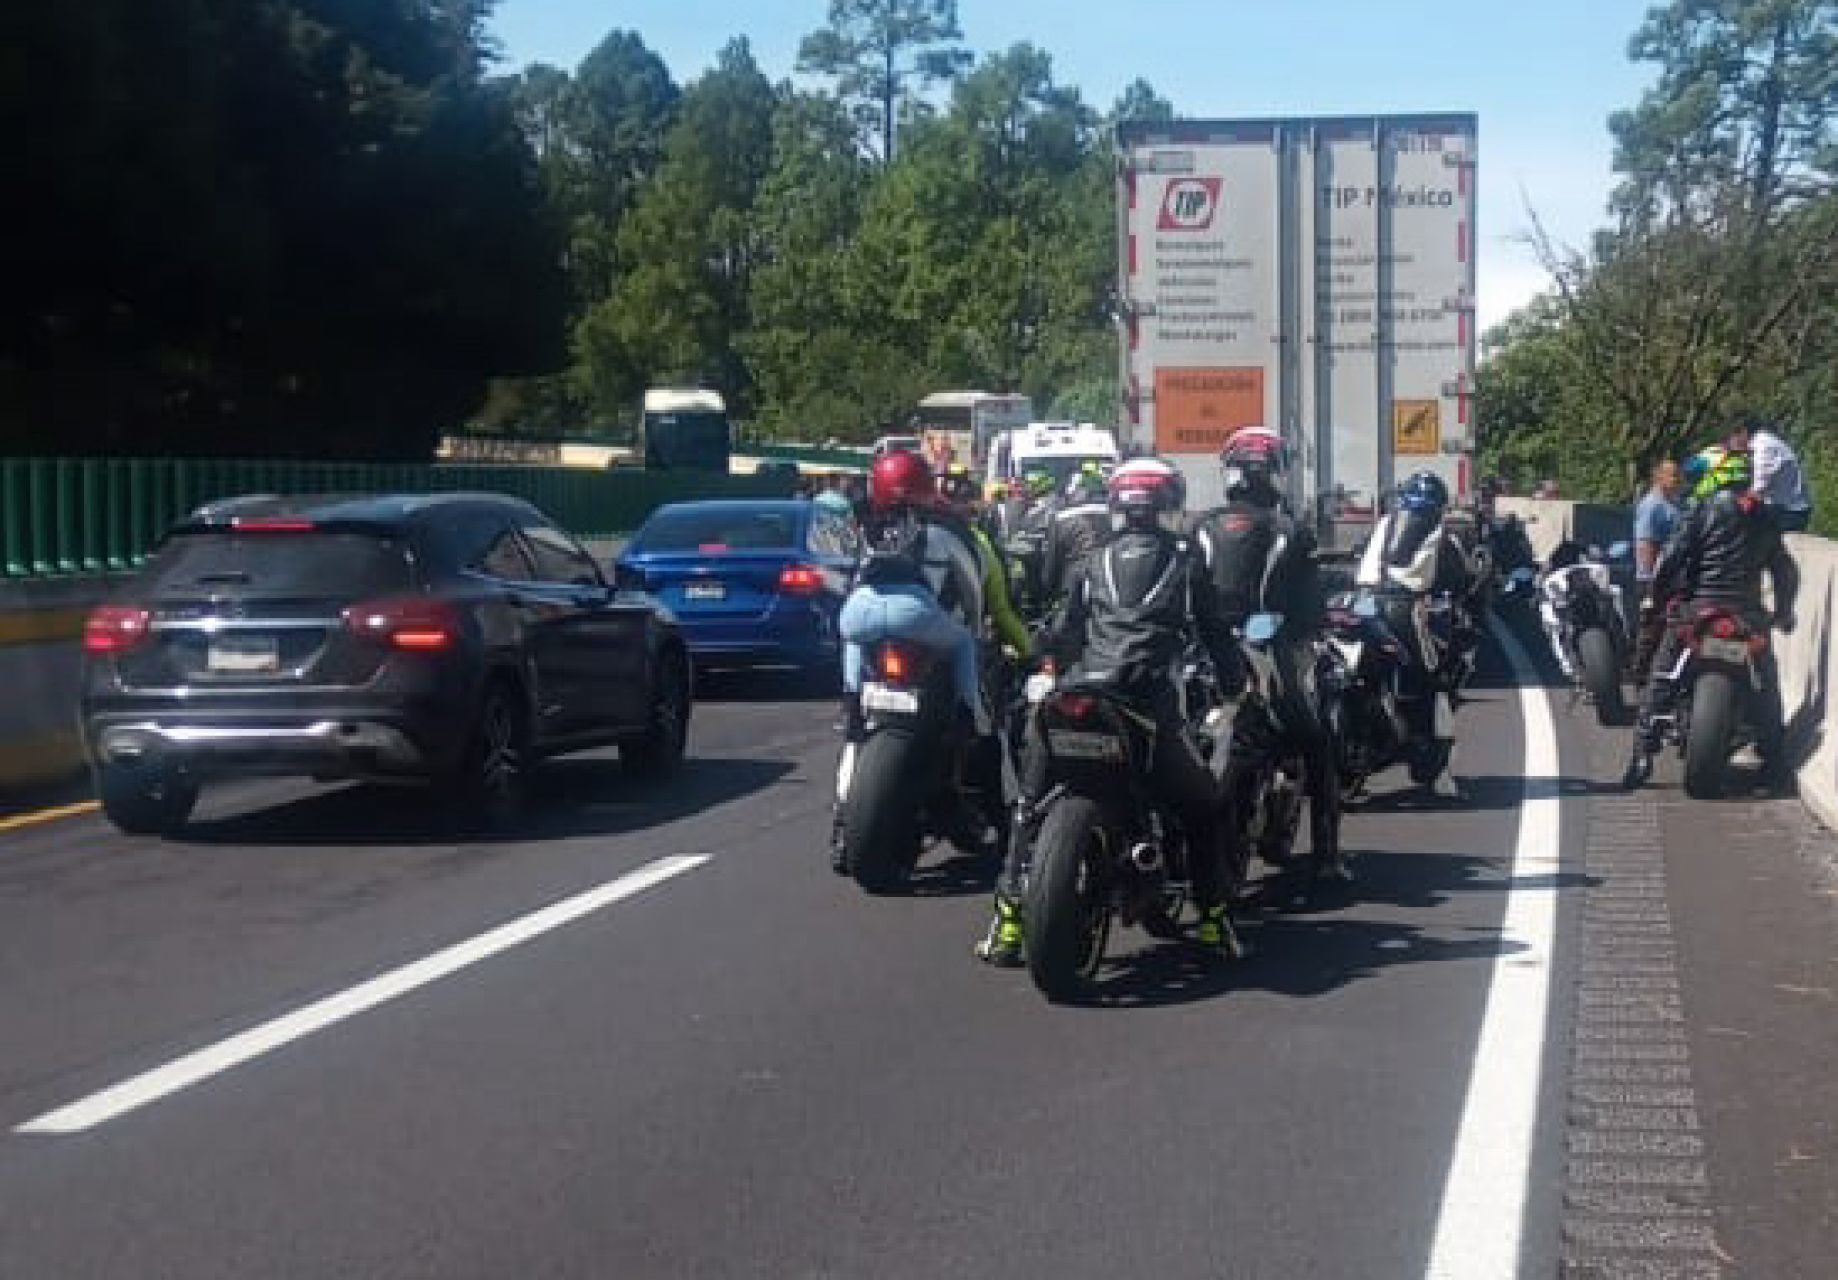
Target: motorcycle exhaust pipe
x,y
1146,858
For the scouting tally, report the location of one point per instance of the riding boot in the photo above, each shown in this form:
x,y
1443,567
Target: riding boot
x,y
1004,945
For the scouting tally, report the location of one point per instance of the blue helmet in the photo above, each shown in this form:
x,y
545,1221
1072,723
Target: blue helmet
x,y
1424,492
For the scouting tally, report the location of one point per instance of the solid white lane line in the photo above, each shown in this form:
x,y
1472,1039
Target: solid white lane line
x,y
184,1072
1482,1221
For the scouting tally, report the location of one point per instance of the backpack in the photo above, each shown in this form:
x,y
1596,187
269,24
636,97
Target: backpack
x,y
894,553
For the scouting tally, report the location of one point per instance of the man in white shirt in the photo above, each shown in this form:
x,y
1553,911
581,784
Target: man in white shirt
x,y
1778,479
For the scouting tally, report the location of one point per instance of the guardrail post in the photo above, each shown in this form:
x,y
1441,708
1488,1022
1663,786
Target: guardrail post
x,y
93,516
16,561
118,481
67,557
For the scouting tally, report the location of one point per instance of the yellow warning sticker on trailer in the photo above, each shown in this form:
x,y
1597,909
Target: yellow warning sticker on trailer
x,y
1416,427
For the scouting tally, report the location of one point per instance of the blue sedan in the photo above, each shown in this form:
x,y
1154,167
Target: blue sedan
x,y
752,583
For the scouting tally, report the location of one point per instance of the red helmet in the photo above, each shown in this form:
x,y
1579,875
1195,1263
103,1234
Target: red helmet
x,y
901,479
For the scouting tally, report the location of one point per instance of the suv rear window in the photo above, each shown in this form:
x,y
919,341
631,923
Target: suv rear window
x,y
280,564
743,530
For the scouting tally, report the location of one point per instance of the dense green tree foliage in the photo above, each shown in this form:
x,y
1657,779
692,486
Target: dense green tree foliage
x,y
1715,288
755,239
263,226
327,227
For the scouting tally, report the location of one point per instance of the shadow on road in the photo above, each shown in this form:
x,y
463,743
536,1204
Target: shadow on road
x,y
569,798
962,875
772,685
1310,946
1290,957
1482,792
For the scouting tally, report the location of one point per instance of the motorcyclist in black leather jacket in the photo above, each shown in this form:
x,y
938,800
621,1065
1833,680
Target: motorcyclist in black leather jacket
x,y
1078,527
1126,623
1262,561
1410,560
1716,556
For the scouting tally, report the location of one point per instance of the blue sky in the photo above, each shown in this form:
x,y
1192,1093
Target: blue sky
x,y
1543,75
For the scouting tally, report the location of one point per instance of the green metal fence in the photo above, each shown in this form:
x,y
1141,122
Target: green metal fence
x,y
96,515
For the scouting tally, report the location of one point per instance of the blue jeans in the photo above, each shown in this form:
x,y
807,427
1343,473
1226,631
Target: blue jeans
x,y
873,614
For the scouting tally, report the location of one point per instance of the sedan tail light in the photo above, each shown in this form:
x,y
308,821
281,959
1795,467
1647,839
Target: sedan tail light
x,y
800,580
413,624
115,628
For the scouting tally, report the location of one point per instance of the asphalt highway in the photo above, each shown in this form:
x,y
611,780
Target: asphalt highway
x,y
653,1035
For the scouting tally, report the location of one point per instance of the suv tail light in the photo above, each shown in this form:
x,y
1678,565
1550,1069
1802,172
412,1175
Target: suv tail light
x,y
413,624
116,628
800,580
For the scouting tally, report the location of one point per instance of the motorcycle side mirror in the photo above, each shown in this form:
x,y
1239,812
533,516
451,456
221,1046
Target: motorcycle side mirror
x,y
1261,628
1620,551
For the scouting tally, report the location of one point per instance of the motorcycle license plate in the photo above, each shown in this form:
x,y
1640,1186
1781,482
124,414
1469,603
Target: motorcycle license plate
x,y
1717,649
1073,745
880,697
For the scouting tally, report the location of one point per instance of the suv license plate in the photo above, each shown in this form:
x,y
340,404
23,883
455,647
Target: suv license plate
x,y
243,655
1718,649
879,697
1085,746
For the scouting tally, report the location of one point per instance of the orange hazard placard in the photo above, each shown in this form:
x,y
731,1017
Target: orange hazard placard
x,y
1416,427
1197,409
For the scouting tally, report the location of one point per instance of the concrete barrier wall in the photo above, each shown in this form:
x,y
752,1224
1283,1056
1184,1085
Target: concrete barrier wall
x,y
1808,662
1549,521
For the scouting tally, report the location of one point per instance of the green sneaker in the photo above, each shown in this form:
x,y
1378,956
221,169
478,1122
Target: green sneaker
x,y
1002,947
1216,935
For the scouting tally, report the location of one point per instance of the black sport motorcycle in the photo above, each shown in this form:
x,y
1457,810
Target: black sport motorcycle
x,y
1263,777
1104,853
1381,708
1720,673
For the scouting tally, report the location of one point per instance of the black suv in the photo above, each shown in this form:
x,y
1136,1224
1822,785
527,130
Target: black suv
x,y
455,638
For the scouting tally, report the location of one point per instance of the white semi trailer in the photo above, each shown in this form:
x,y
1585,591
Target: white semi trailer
x,y
1312,275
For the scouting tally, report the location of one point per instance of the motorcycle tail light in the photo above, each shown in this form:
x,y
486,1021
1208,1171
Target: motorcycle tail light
x,y
1724,628
900,665
1075,706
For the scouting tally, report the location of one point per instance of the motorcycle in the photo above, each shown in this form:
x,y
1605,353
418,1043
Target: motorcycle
x,y
1380,709
1104,853
1263,779
1719,672
907,774
1584,617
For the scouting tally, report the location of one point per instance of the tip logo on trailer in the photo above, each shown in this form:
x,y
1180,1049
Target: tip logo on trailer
x,y
1189,204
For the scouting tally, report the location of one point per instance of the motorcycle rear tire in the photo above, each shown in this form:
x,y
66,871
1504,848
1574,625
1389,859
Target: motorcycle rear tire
x,y
1716,712
880,818
1068,908
1595,654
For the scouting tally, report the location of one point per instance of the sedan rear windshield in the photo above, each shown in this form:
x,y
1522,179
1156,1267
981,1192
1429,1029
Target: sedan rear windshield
x,y
320,564
743,530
